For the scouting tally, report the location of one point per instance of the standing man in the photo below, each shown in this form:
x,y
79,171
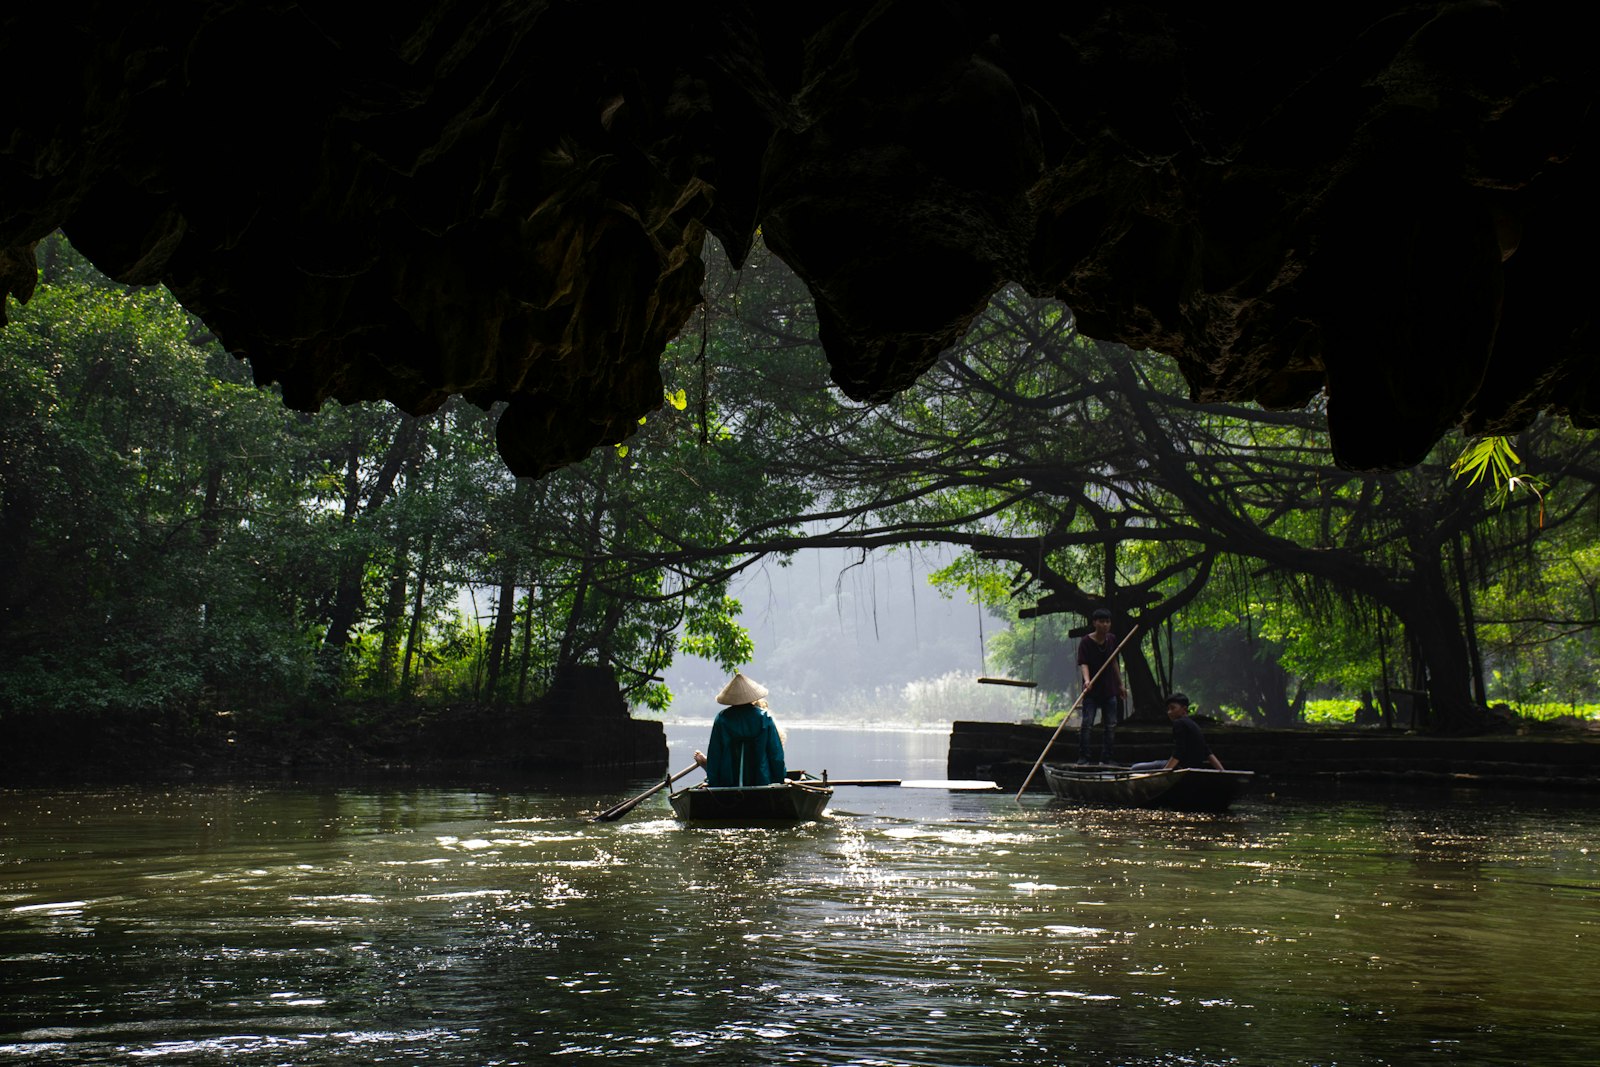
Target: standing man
x,y
1107,694
1189,748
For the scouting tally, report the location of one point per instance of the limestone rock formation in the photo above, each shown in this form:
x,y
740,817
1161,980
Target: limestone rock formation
x,y
1389,201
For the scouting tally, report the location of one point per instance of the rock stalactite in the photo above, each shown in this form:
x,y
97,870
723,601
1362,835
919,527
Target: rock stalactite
x,y
1386,201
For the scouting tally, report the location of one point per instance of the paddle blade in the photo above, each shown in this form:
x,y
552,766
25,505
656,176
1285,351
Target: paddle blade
x,y
613,814
859,781
962,784
1007,681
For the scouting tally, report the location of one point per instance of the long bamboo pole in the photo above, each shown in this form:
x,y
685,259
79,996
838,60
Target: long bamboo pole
x,y
1040,761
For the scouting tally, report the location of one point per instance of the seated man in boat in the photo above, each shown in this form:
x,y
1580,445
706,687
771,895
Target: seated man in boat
x,y
1189,748
745,746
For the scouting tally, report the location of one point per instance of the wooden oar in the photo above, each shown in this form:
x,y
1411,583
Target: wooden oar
x,y
857,781
613,814
1109,661
917,783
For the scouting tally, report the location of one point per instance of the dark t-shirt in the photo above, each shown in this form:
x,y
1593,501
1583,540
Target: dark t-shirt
x,y
1095,654
1189,744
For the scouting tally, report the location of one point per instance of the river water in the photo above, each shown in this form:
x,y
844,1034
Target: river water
x,y
250,925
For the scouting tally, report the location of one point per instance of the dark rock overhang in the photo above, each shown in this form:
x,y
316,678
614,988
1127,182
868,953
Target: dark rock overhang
x,y
1391,202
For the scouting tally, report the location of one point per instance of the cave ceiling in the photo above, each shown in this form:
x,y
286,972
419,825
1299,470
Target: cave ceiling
x,y
1392,203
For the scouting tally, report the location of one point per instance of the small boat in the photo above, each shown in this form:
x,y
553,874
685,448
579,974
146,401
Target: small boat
x,y
790,801
1180,789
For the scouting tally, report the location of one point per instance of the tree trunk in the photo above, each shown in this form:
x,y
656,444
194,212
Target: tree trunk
x,y
1164,666
211,509
1444,669
1146,702
414,632
506,602
394,614
1469,623
19,582
566,657
527,649
1272,684
347,601
505,612
605,641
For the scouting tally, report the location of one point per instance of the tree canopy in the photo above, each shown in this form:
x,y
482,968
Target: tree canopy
x,y
173,540
1075,474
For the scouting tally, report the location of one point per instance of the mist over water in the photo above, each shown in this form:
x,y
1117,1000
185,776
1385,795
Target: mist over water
x,y
846,638
457,926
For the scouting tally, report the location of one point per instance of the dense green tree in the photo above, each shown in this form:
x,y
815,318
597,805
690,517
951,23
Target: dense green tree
x,y
172,538
142,518
1077,474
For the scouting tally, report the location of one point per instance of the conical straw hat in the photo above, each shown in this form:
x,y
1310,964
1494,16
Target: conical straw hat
x,y
741,690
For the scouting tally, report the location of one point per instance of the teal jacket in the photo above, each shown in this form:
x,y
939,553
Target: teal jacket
x,y
744,736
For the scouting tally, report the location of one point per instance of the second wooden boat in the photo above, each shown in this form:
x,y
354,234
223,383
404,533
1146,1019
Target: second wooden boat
x,y
1180,789
791,801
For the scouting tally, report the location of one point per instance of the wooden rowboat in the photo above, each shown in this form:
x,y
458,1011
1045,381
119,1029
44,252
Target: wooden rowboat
x,y
792,801
1180,789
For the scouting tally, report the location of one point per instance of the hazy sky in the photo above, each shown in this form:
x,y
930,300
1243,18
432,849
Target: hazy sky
x,y
830,623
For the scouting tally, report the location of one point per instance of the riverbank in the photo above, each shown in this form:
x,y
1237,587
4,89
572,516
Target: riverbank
x,y
1544,757
471,742
336,743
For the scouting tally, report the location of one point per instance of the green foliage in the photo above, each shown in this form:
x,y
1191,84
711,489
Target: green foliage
x,y
130,530
712,632
1557,712
1075,474
1495,457
1331,712
171,537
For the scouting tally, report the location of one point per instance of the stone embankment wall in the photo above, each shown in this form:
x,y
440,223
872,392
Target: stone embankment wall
x,y
1005,752
456,742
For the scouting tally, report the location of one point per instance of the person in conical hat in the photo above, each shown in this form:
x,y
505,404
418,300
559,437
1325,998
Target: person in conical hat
x,y
741,690
745,747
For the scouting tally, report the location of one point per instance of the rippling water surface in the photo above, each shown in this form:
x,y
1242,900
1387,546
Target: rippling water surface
x,y
436,926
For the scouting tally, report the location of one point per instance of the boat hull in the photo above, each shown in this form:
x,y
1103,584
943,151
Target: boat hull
x,y
1180,789
780,802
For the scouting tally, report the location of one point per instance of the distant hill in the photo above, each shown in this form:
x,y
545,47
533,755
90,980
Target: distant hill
x,y
840,639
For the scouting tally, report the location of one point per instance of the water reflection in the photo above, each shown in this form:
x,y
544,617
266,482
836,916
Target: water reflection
x,y
442,927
